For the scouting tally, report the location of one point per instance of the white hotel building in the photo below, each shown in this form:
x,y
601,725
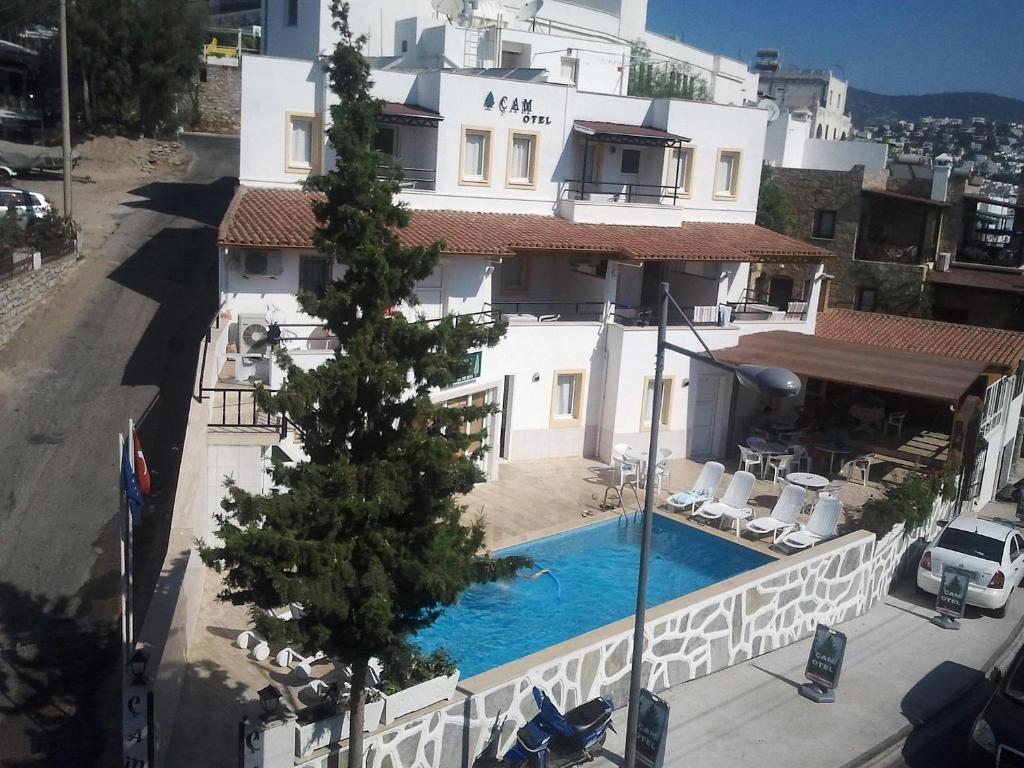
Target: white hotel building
x,y
562,203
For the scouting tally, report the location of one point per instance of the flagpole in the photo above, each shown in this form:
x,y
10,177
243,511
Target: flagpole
x,y
131,542
122,507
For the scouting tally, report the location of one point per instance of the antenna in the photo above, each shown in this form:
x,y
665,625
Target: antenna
x,y
529,10
450,8
771,107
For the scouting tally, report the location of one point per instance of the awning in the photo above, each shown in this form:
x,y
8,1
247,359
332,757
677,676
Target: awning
x,y
915,374
620,133
1017,206
902,197
408,114
982,279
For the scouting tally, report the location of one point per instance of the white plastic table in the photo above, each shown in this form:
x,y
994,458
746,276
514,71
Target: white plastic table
x,y
807,480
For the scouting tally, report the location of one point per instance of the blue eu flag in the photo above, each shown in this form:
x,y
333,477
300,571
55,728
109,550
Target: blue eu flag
x,y
131,487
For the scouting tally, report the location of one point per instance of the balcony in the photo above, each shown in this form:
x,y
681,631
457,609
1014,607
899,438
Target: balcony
x,y
993,234
407,137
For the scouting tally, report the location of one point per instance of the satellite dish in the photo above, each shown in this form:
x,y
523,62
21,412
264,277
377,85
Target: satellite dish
x,y
529,10
771,107
450,8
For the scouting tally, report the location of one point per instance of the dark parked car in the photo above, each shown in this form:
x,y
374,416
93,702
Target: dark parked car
x,y
997,736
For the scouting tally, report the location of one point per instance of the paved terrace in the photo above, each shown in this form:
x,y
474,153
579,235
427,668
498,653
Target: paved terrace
x,y
531,499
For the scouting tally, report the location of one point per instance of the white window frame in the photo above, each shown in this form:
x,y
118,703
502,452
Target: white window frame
x,y
531,182
668,384
686,187
291,165
734,192
473,181
575,418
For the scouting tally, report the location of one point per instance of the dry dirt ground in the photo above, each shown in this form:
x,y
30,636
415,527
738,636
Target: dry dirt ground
x,y
109,169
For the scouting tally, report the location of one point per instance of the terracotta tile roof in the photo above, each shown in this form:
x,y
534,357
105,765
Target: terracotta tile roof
x,y
995,347
282,218
1004,282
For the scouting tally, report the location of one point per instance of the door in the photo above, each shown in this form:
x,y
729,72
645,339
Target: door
x,y
780,291
704,417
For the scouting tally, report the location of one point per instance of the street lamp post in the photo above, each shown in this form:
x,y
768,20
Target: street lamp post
x,y
773,381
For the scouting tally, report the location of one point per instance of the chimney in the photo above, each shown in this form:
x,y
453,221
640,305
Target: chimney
x,y
940,176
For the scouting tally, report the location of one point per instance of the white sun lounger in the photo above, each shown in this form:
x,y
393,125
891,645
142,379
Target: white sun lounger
x,y
705,489
821,526
733,504
784,514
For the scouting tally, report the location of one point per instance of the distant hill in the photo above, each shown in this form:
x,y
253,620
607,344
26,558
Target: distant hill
x,y
874,108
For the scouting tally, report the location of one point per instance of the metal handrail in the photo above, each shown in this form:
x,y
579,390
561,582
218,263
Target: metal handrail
x,y
257,419
517,308
418,178
578,189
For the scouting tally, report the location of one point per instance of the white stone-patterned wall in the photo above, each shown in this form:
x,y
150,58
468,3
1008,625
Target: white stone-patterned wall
x,y
751,614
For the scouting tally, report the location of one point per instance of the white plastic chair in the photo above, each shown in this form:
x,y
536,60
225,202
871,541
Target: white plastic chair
x,y
780,465
784,514
749,458
895,419
250,641
821,526
734,504
627,470
801,458
862,464
661,471
705,489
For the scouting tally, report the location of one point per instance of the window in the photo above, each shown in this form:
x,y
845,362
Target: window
x,y
648,406
680,169
476,156
971,543
817,133
513,274
824,225
631,162
300,142
727,173
570,69
866,299
385,140
567,397
405,46
522,159
292,13
314,274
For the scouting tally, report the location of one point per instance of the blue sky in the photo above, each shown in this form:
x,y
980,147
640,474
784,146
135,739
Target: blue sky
x,y
895,46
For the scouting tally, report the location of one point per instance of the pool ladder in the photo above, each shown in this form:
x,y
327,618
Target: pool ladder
x,y
617,494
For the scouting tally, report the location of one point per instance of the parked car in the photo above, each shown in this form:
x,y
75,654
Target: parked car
x,y
27,205
997,736
993,551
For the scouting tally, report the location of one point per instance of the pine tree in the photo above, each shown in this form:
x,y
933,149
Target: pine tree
x,y
366,535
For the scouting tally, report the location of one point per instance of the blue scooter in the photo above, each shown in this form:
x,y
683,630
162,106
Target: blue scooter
x,y
554,740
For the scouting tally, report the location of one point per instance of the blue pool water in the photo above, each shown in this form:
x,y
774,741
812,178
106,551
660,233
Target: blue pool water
x,y
592,582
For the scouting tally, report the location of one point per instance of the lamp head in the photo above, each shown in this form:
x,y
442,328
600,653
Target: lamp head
x,y
774,382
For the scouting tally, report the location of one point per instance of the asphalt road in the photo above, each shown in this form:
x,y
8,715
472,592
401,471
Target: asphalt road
x,y
118,339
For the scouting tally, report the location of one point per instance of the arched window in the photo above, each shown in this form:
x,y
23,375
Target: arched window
x,y
843,137
818,134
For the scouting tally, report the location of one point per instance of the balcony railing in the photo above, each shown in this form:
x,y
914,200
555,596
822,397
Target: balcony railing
x,y
414,178
620,192
549,311
990,255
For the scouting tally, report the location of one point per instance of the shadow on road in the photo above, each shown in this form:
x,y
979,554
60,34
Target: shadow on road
x,y
188,200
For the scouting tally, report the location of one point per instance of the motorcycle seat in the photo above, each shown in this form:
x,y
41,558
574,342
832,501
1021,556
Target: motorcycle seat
x,y
587,716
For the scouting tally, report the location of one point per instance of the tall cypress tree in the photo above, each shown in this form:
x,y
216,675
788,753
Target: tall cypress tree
x,y
367,534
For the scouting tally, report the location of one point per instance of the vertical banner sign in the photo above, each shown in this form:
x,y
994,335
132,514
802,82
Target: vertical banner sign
x,y
652,730
826,659
952,595
137,723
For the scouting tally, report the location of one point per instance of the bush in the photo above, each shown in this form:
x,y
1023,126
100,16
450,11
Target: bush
x,y
411,667
910,503
488,569
53,235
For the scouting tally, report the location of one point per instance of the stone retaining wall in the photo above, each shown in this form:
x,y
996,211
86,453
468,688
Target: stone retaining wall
x,y
22,293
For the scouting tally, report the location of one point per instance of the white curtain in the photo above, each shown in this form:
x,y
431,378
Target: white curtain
x,y
681,158
476,154
726,167
649,402
302,142
522,149
566,395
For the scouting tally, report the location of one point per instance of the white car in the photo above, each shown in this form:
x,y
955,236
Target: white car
x,y
27,205
992,551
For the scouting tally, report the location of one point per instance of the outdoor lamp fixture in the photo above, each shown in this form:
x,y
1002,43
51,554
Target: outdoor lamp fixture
x,y
137,665
775,382
270,698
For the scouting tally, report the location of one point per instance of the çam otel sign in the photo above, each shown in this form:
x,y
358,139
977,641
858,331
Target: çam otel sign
x,y
515,106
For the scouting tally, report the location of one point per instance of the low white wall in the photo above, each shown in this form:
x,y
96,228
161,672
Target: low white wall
x,y
830,155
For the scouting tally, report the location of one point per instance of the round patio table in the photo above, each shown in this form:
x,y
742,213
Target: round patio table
x,y
833,450
807,480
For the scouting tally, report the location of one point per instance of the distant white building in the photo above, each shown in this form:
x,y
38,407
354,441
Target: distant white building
x,y
816,91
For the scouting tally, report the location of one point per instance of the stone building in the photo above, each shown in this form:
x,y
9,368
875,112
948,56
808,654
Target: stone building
x,y
219,93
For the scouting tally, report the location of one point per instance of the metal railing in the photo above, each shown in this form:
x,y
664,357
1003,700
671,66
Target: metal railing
x,y
990,255
545,311
413,178
621,192
237,407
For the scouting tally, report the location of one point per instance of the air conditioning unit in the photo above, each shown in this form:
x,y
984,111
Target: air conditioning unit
x,y
253,335
942,262
257,263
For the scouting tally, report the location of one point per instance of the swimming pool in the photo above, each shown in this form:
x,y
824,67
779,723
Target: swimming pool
x,y
591,582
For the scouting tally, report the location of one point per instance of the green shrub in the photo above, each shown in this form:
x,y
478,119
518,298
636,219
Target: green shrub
x,y
910,503
488,569
411,667
52,235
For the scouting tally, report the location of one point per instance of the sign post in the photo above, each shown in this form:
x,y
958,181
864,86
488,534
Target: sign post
x,y
952,597
652,730
824,665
